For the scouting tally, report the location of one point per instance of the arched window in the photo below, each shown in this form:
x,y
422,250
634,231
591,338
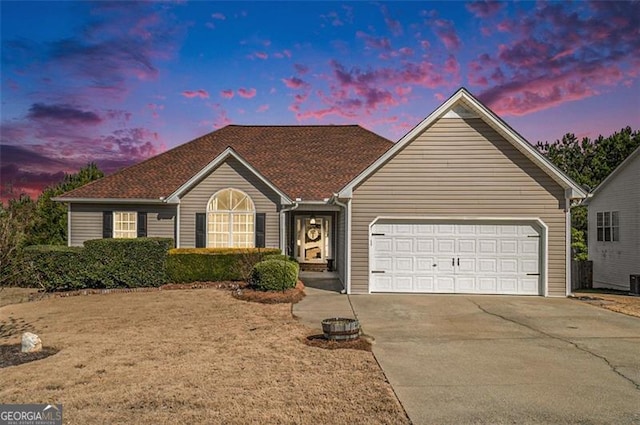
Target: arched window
x,y
230,220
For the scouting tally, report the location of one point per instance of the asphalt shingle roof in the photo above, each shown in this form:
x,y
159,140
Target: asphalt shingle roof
x,y
307,162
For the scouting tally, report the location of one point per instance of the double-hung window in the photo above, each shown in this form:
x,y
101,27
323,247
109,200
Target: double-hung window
x,y
607,226
124,224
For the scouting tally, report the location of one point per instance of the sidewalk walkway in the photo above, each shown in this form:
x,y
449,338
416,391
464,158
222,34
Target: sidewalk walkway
x,y
323,299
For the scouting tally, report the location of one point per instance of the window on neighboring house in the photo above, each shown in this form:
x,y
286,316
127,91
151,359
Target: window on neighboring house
x,y
230,220
124,225
607,226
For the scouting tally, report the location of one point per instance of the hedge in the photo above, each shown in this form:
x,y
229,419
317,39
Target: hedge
x,y
280,257
127,263
102,263
213,264
55,267
274,275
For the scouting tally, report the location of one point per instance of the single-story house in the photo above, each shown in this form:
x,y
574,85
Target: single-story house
x,y
614,225
460,204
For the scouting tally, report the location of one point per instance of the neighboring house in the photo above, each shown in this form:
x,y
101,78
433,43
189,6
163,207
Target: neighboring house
x,y
460,204
614,225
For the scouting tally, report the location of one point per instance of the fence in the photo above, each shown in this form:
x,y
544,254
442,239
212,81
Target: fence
x,y
581,275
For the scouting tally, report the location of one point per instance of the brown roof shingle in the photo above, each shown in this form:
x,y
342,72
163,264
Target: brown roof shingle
x,y
307,162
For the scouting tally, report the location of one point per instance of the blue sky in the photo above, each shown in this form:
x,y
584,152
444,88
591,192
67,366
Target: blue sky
x,y
116,82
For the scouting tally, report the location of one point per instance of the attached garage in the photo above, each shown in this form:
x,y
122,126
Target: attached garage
x,y
464,256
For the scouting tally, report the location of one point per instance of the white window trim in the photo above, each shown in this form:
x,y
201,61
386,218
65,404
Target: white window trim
x,y
614,236
231,215
135,225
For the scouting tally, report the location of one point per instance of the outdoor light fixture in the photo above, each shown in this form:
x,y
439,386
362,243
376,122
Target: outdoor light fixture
x,y
312,220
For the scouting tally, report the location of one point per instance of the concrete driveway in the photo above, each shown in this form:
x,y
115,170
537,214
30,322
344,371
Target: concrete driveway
x,y
498,360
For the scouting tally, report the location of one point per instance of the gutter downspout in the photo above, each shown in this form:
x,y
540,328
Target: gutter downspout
x,y
283,235
347,247
567,221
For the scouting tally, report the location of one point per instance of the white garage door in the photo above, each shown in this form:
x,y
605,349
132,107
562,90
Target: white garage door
x,y
455,258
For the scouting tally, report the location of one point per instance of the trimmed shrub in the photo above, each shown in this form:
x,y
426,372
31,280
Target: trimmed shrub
x,y
280,257
213,264
55,267
127,263
274,275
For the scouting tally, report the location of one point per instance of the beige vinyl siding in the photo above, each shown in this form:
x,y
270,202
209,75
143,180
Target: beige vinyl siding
x,y
613,262
457,168
86,220
230,174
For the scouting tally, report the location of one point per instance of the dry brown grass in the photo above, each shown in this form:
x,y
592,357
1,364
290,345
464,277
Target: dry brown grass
x,y
191,356
12,295
626,304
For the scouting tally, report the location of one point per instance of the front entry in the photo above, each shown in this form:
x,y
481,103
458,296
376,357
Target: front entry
x,y
313,239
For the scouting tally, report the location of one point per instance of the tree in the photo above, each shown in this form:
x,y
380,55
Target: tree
x,y
50,223
588,163
16,220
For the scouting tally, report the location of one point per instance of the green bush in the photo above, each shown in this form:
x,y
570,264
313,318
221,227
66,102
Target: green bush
x,y
213,265
280,257
55,267
274,275
126,263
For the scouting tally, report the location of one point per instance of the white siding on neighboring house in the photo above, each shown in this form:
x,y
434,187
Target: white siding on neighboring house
x,y
614,261
230,174
86,220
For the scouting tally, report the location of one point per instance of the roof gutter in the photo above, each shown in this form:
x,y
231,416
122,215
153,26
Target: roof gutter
x,y
158,201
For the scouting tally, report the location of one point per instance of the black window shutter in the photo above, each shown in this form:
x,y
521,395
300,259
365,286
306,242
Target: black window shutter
x,y
107,224
260,229
201,230
142,224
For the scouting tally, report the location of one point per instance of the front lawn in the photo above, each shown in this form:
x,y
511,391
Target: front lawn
x,y
188,356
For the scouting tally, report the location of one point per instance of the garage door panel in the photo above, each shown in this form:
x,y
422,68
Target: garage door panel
x,y
449,258
444,284
466,265
404,284
425,264
424,284
383,264
529,285
465,284
403,264
466,246
403,245
446,246
425,245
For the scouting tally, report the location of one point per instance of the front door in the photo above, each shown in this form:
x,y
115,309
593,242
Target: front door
x,y
312,239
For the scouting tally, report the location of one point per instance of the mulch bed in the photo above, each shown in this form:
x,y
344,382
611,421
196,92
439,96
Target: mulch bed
x,y
292,295
10,355
319,341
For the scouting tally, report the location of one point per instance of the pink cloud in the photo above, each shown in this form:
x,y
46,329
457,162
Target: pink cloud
x,y
295,83
425,44
263,108
227,94
445,30
219,16
484,8
247,93
301,69
261,55
394,26
371,42
201,93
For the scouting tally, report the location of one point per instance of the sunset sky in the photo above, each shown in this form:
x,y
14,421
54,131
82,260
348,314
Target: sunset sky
x,y
117,82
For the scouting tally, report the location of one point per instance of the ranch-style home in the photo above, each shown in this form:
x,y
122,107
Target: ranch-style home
x,y
460,204
614,226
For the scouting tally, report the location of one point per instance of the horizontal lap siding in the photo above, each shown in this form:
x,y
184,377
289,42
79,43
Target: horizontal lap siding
x,y
86,220
613,262
457,168
230,174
